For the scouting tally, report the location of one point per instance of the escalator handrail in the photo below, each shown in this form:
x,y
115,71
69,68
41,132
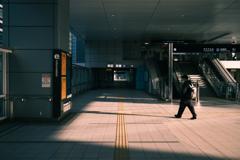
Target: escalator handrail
x,y
212,78
176,77
231,82
223,70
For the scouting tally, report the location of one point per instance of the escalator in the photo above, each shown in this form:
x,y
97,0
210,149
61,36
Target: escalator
x,y
220,79
212,67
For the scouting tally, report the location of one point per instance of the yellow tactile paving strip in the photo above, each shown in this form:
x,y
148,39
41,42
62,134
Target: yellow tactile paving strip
x,y
156,112
121,143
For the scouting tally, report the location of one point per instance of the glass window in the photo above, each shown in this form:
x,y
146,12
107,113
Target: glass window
x,y
77,48
2,109
1,74
1,22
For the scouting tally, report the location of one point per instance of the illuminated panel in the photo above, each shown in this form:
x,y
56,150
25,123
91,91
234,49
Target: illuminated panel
x,y
64,64
64,88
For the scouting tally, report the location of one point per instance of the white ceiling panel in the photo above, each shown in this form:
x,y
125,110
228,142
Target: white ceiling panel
x,y
235,5
84,1
131,1
187,11
130,5
86,5
231,11
155,19
111,11
198,1
194,5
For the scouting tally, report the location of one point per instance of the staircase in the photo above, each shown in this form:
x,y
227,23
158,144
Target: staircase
x,y
189,69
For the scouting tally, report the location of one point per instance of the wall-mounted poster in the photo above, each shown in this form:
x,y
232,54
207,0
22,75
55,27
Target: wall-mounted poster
x,y
46,80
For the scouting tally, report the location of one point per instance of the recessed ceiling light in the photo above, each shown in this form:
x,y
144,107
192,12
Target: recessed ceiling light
x,y
182,15
146,43
113,15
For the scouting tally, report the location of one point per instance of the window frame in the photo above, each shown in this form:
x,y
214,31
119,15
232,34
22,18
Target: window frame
x,y
4,51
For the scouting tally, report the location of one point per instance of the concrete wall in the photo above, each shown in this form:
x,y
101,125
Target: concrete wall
x,y
101,53
33,29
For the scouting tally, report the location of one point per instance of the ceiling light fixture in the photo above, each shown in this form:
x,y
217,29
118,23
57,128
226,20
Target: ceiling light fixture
x,y
113,15
182,15
146,43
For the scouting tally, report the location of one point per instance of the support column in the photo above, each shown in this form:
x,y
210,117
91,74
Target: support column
x,y
33,29
170,72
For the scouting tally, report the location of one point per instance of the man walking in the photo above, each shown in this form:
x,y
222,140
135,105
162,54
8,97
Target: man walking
x,y
186,99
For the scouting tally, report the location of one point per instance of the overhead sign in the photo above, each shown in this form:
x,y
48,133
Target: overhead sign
x,y
207,48
108,69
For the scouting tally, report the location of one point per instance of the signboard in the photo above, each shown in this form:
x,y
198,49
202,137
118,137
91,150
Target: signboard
x,y
62,82
66,106
207,48
64,88
64,64
46,80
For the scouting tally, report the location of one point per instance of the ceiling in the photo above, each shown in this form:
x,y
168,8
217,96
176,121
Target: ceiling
x,y
203,21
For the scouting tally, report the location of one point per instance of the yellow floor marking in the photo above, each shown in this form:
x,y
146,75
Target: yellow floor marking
x,y
121,151
156,112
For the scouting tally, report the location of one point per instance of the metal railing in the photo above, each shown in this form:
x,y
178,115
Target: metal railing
x,y
177,77
227,88
25,99
218,86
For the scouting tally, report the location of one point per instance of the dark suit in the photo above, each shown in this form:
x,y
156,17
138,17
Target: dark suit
x,y
186,100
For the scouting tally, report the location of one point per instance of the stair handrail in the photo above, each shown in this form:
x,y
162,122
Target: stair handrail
x,y
177,77
216,84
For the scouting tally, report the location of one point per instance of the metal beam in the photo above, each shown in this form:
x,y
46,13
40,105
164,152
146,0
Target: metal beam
x,y
170,72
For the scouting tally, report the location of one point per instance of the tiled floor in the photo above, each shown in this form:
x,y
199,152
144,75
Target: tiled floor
x,y
151,130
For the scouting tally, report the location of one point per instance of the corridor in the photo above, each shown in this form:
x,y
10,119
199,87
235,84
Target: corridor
x,y
128,124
